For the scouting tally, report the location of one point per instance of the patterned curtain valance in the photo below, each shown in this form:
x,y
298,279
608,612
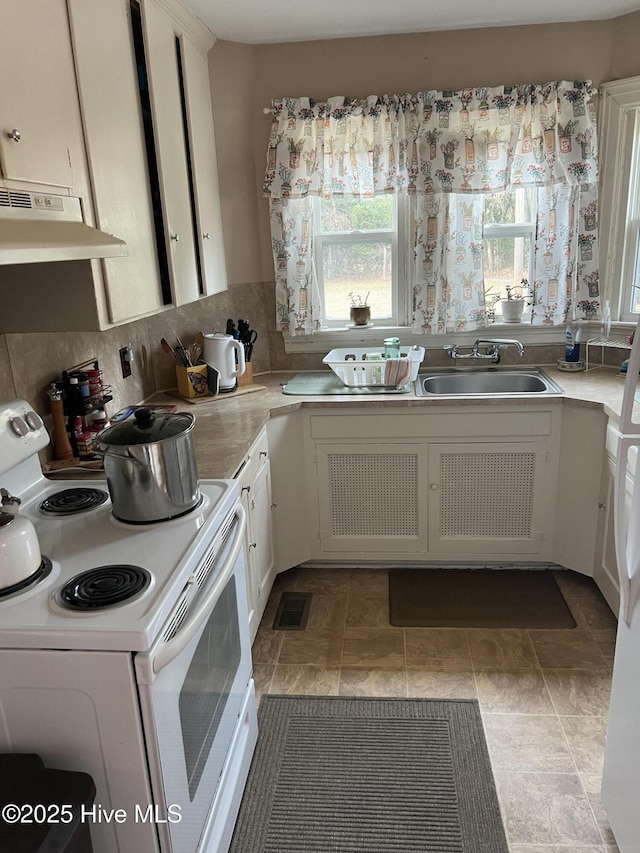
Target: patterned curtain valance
x,y
473,140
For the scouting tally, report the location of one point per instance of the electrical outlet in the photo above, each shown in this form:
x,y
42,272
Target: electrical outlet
x,y
125,361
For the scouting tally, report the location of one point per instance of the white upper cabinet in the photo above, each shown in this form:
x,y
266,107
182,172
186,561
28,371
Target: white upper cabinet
x,y
40,130
161,43
185,145
205,168
110,101
111,112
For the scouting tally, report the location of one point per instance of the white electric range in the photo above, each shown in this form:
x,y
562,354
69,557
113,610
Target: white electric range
x,y
126,655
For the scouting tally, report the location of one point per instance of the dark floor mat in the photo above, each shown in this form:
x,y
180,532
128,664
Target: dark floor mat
x,y
477,598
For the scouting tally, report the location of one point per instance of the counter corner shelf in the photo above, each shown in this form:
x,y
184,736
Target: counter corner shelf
x,y
602,343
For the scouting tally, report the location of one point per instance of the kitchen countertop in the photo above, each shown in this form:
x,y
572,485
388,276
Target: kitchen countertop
x,y
226,428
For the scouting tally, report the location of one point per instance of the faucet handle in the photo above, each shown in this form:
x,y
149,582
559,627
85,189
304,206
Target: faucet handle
x,y
452,349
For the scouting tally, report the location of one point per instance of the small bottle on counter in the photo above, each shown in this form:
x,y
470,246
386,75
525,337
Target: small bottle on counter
x,y
391,347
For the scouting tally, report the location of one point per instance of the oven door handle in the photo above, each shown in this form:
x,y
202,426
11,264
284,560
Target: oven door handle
x,y
163,652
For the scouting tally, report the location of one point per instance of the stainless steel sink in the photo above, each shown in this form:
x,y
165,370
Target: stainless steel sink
x,y
487,381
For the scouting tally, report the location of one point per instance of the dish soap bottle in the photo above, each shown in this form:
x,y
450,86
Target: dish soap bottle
x,y
569,343
572,352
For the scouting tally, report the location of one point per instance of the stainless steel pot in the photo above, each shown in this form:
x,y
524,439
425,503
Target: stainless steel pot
x,y
150,465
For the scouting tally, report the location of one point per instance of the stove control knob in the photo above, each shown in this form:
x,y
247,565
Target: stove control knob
x,y
34,420
18,426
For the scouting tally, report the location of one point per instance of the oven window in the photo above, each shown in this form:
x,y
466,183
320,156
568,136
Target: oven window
x,y
208,684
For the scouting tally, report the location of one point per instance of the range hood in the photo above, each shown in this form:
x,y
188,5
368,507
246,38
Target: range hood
x,y
37,227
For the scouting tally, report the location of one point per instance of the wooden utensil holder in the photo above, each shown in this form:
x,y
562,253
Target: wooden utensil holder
x,y
246,378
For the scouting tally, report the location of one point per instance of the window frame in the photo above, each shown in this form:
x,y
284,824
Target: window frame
x,y
515,229
619,190
397,236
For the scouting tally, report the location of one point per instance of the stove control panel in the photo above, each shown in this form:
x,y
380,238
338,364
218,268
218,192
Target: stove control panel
x,y
22,433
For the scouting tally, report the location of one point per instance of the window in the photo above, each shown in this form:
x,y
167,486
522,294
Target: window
x,y
509,235
358,251
361,249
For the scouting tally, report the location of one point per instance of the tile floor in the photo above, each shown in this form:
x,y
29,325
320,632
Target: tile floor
x,y
543,693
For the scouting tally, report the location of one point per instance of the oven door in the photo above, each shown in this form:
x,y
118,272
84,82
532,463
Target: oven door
x,y
193,685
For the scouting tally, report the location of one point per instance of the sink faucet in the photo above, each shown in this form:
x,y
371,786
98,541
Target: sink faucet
x,y
492,351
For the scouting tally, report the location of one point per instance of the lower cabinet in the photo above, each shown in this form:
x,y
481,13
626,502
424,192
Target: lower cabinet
x,y
255,483
370,498
490,498
605,570
430,491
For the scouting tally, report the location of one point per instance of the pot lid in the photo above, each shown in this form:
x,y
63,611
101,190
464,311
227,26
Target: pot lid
x,y
146,427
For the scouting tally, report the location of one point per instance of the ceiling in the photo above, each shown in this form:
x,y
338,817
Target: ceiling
x,y
263,21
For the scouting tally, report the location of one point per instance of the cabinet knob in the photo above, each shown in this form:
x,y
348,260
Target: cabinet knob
x,y
206,236
175,238
434,487
14,134
253,545
263,453
601,505
274,503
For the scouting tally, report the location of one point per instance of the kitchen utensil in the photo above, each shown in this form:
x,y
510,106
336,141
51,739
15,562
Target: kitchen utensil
x,y
166,346
182,353
150,465
195,348
19,549
220,351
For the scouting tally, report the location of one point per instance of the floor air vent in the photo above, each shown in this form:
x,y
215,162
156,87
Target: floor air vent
x,y
293,611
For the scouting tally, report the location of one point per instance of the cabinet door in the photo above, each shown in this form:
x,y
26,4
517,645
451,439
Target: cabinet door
x,y
605,571
490,498
251,597
116,152
202,145
161,42
261,556
371,498
38,95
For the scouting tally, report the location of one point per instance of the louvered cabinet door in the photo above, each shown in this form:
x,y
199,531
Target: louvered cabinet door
x,y
371,499
490,498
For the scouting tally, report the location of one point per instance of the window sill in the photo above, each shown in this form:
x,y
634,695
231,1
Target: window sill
x,y
329,339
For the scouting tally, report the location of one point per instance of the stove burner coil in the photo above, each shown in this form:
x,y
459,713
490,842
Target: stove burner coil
x,y
104,586
71,501
39,575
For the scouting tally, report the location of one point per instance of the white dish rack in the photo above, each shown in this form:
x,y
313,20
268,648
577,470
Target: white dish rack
x,y
359,366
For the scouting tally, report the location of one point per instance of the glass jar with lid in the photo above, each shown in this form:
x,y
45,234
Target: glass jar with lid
x,y
391,347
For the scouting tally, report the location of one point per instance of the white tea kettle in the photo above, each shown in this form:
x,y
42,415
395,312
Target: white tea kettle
x,y
219,351
19,549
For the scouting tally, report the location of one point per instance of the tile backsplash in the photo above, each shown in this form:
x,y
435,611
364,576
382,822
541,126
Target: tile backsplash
x,y
30,361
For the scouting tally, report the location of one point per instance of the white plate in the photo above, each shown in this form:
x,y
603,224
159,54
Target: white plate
x,y
365,326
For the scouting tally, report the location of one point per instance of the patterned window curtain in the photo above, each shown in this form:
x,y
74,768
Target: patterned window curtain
x,y
447,149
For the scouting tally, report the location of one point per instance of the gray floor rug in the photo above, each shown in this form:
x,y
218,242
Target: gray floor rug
x,y
334,775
